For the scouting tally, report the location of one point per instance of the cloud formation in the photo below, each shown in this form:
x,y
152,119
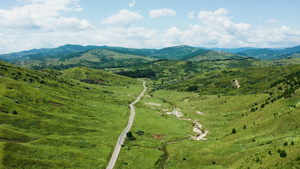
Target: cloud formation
x,y
123,18
131,4
191,15
272,20
43,14
161,12
39,29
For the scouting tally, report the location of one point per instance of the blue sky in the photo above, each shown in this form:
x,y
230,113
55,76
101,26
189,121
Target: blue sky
x,y
28,24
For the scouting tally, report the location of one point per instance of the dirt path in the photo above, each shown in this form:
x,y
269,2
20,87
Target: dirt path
x,y
122,137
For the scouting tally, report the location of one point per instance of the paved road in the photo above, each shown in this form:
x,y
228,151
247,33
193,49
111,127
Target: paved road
x,y
122,137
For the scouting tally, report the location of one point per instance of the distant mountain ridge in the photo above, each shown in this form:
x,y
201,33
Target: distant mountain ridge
x,y
69,56
182,52
265,53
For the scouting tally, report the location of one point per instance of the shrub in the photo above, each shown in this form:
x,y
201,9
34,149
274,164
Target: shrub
x,y
233,131
14,112
244,127
282,153
130,136
292,143
192,88
285,143
298,158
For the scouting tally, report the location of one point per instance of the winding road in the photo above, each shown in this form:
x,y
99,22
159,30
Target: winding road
x,y
122,137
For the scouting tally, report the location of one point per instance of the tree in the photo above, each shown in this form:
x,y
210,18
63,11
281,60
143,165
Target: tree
x,y
233,131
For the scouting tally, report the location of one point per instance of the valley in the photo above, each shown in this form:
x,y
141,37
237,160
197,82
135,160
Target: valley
x,y
203,108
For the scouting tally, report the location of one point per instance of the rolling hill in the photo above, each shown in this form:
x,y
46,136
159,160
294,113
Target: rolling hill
x,y
48,118
69,56
271,54
246,109
94,58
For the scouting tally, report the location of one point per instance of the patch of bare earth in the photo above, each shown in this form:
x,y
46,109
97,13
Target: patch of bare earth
x,y
153,104
237,83
55,104
200,133
2,111
176,112
200,113
159,137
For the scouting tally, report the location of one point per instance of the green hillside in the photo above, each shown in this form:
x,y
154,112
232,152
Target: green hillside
x,y
256,130
271,54
49,120
175,72
99,57
94,58
246,109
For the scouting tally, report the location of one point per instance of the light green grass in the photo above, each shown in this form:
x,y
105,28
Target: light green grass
x,y
224,149
60,123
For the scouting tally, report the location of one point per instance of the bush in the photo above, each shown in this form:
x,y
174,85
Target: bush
x,y
14,112
282,153
285,143
192,88
298,158
130,136
292,143
244,127
233,131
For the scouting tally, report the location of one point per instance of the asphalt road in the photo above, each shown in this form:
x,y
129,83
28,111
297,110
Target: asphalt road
x,y
122,137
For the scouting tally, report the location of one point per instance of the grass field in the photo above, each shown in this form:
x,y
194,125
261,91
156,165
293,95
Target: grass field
x,y
61,122
257,138
73,118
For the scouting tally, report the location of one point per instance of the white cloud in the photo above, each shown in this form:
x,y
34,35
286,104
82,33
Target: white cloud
x,y
123,18
161,12
172,37
215,29
42,14
272,20
132,3
191,15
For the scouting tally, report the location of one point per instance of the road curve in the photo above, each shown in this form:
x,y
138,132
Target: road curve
x,y
122,137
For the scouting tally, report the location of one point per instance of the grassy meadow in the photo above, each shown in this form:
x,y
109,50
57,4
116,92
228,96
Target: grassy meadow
x,y
255,143
49,121
73,118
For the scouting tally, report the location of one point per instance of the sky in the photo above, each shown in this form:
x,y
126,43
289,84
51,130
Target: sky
x,y
29,24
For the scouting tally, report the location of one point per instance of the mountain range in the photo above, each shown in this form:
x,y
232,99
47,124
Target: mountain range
x,y
76,54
